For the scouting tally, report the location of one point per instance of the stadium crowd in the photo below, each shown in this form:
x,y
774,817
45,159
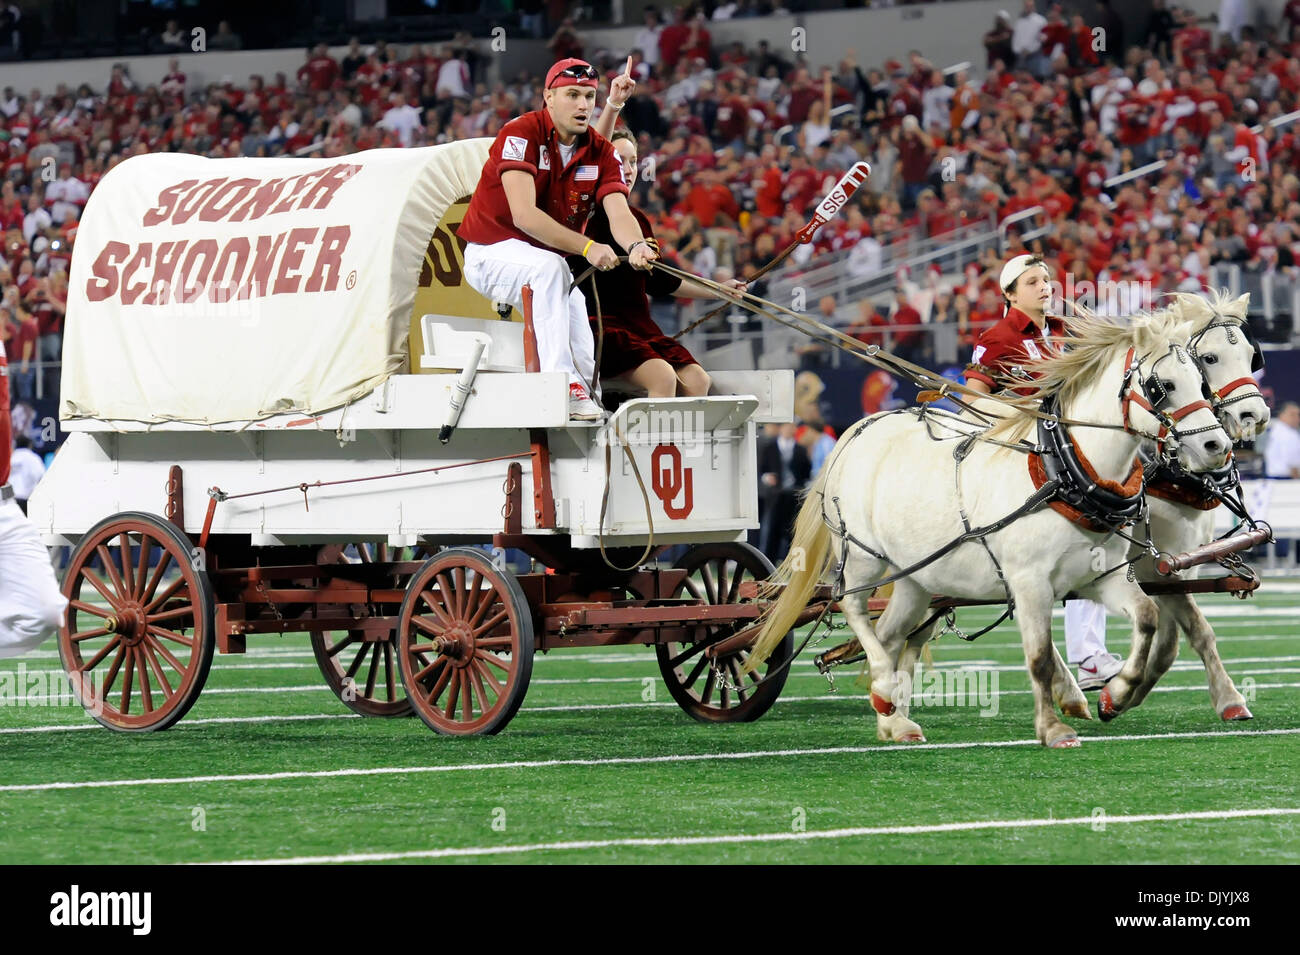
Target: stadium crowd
x,y
738,143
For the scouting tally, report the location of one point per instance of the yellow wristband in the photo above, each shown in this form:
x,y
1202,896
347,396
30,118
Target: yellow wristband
x,y
590,243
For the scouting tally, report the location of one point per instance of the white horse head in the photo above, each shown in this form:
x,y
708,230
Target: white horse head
x,y
1137,373
1228,357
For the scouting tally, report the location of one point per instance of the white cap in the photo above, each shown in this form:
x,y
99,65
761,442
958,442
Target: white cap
x,y
1014,269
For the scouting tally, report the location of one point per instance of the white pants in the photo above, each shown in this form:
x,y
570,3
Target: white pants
x,y
1085,629
31,607
564,343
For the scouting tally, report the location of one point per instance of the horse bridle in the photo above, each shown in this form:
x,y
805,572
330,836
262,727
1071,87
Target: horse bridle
x,y
1220,397
1152,388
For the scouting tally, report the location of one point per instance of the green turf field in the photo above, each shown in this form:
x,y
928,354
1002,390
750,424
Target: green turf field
x,y
600,766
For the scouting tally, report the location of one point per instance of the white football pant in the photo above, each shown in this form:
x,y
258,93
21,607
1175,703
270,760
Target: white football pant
x,y
31,607
500,271
1085,629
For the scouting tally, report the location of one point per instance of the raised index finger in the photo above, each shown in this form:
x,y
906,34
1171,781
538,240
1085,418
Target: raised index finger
x,y
627,70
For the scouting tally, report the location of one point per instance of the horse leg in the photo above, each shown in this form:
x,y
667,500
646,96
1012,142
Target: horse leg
x,y
1163,652
1034,608
882,657
1120,595
1065,689
1227,701
907,661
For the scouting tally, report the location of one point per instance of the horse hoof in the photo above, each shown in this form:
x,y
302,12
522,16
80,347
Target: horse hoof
x,y
1078,710
1236,712
882,706
1065,742
1106,707
915,737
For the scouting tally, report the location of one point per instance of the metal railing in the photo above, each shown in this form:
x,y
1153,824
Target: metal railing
x,y
1283,120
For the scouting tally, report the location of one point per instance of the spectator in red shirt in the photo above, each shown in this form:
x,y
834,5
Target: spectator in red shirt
x,y
320,71
708,199
915,153
672,42
907,336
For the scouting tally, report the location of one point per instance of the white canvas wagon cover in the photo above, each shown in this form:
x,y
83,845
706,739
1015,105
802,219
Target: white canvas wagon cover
x,y
220,290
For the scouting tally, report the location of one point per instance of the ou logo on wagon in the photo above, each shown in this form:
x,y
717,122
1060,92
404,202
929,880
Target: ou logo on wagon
x,y
668,479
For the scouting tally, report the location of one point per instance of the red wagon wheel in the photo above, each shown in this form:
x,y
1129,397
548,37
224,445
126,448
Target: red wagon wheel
x,y
139,639
721,691
465,643
364,674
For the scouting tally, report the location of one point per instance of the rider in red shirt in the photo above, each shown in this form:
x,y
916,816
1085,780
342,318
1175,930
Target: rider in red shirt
x,y
1024,333
546,172
1027,331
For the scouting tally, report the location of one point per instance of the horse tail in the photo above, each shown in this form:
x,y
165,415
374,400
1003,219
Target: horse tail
x,y
795,580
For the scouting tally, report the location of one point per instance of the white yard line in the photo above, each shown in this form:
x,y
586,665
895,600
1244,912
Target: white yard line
x,y
744,838
583,707
876,749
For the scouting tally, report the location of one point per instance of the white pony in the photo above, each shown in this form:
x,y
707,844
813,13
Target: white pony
x,y
1177,523
891,495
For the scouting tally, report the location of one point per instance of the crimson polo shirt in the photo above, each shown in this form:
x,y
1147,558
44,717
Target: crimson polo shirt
x,y
529,143
1015,340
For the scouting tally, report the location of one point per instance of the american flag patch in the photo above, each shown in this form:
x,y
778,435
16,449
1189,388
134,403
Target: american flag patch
x,y
585,174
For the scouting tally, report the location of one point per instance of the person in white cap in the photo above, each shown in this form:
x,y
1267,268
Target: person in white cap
x,y
1026,332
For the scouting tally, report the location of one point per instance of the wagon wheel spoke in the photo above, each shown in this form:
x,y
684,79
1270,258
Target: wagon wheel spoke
x,y
454,696
90,608
124,555
433,603
104,651
686,654
424,674
146,688
142,569
733,667
708,686
473,598
447,598
171,635
460,581
495,643
724,689
486,674
351,672
346,641
695,672
432,629
733,592
186,611
467,697
105,591
156,666
156,577
373,672
168,592
166,654
724,581
744,663
88,634
487,600
440,684
110,567
484,703
126,681
694,588
390,672
493,660
497,618
113,671
363,553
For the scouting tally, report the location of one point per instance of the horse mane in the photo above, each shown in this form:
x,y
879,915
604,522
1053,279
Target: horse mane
x,y
1090,343
1217,305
